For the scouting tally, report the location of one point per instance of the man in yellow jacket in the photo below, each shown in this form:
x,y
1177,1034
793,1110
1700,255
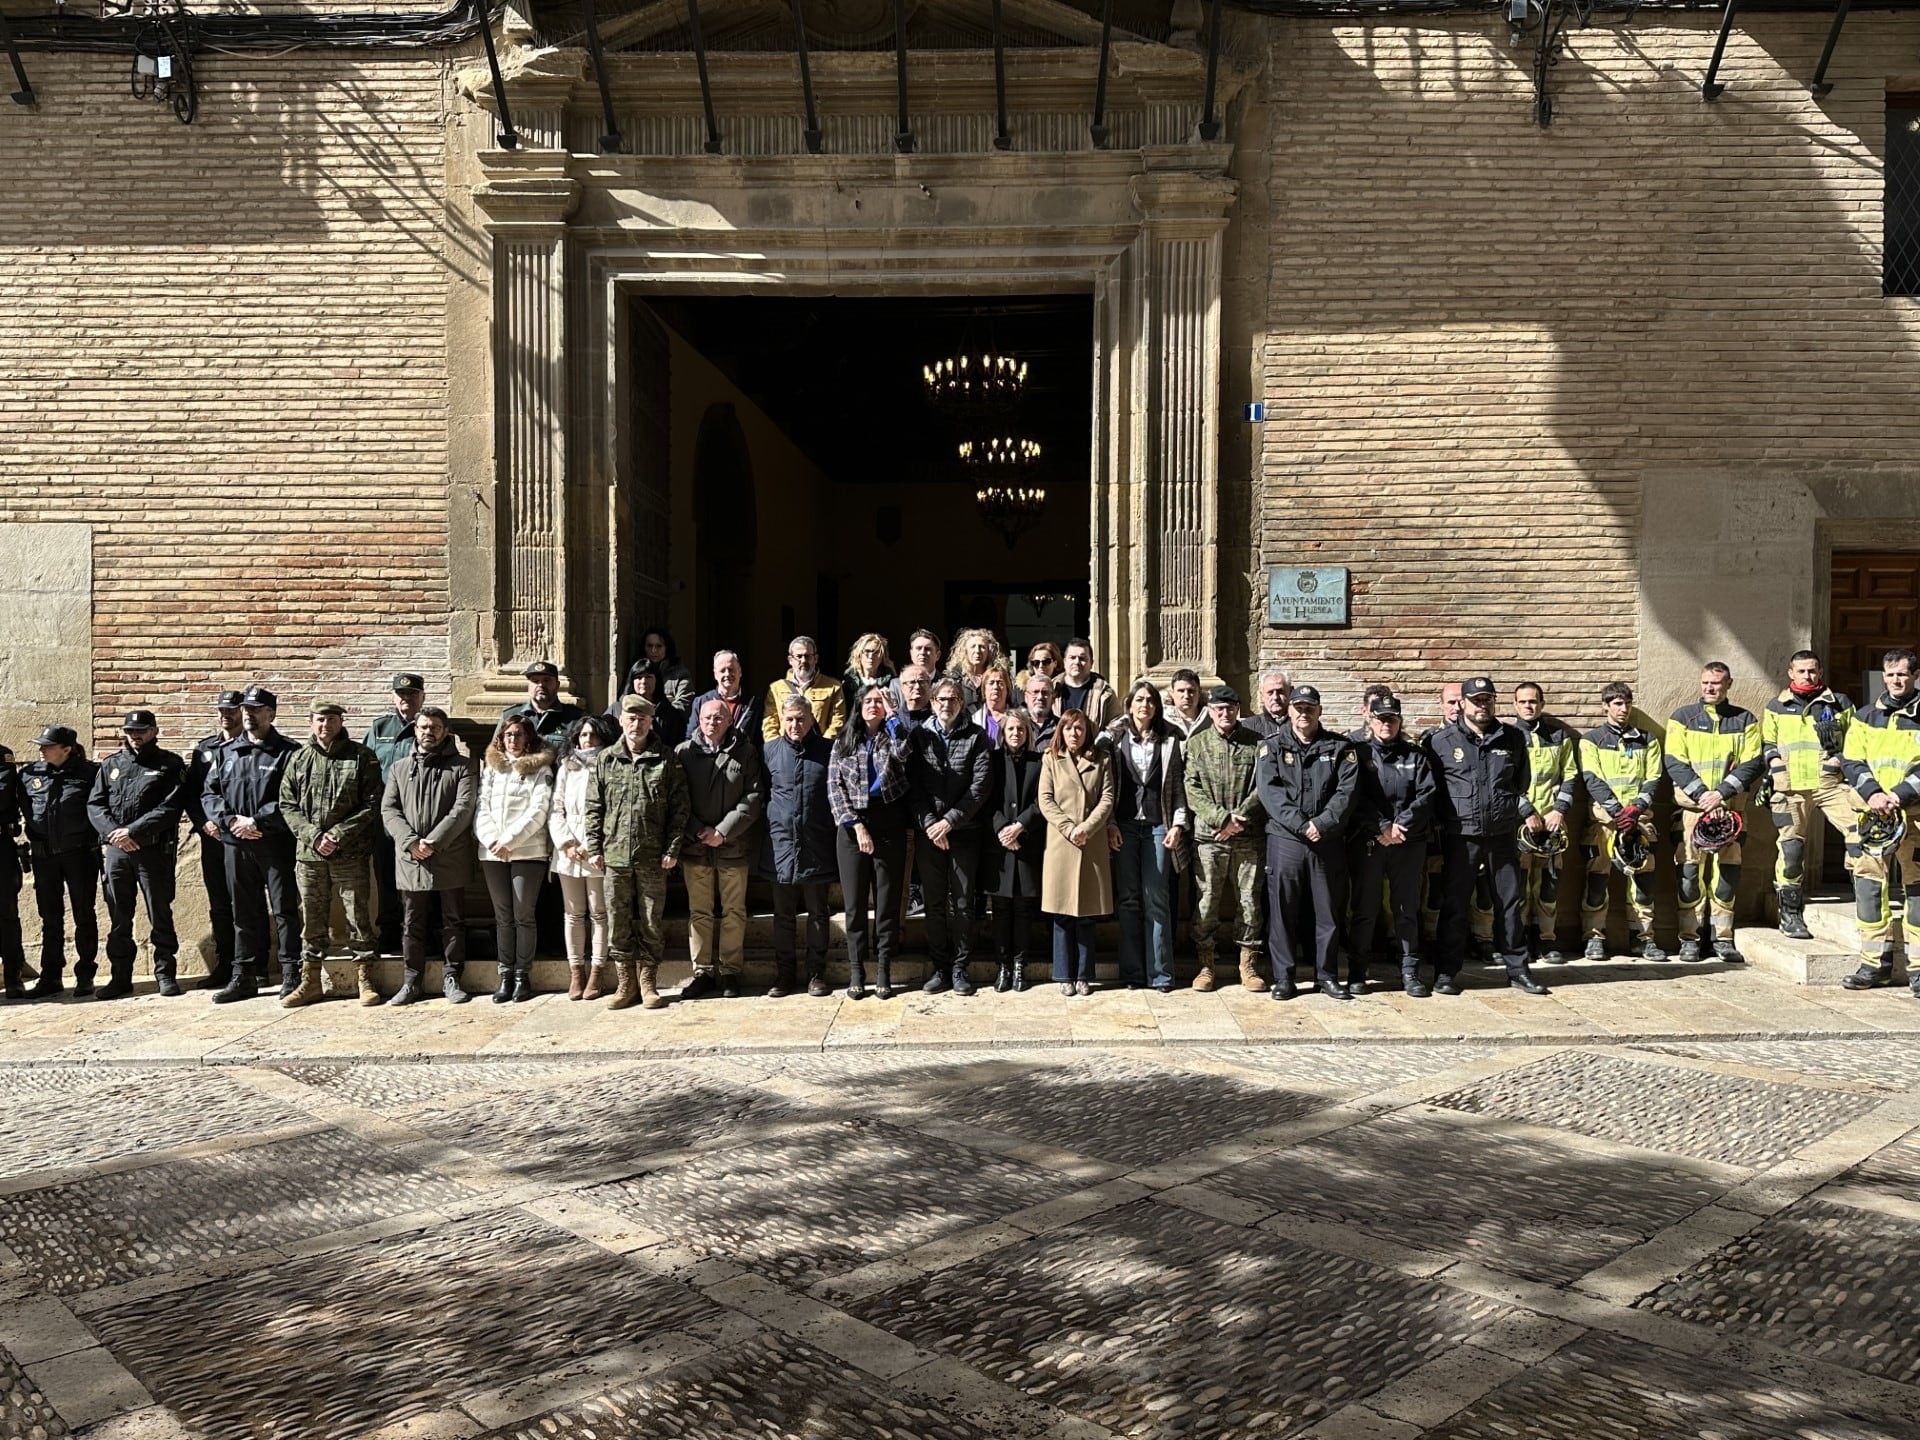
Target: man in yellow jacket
x,y
1620,766
1713,757
825,696
1802,732
1881,761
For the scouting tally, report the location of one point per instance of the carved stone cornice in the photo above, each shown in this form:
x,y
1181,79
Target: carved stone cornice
x,y
525,188
1181,201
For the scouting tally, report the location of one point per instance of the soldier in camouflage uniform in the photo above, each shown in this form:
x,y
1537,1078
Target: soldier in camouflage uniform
x,y
331,797
1229,832
636,819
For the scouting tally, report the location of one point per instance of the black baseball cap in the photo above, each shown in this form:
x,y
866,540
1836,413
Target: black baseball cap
x,y
1304,695
57,735
405,681
542,670
258,697
1385,705
228,700
141,720
1479,687
1223,695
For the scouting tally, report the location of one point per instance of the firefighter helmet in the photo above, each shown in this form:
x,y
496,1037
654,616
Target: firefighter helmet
x,y
1881,830
1630,853
1717,829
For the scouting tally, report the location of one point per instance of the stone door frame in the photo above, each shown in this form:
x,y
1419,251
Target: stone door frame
x,y
577,238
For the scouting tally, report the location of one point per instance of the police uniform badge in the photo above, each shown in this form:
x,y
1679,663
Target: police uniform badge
x,y
1458,753
36,783
113,774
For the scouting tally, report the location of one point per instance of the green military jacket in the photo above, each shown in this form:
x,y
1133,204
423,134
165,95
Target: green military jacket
x,y
1219,779
335,791
390,738
637,806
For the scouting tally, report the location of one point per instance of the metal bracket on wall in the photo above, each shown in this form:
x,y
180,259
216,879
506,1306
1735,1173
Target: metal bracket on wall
x,y
509,137
609,126
24,95
810,131
1819,87
1210,122
1098,130
712,142
1710,87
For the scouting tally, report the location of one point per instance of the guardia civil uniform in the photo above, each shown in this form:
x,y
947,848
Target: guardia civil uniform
x,y
1881,754
1709,747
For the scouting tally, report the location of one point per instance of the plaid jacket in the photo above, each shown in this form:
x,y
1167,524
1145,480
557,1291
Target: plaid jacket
x,y
847,782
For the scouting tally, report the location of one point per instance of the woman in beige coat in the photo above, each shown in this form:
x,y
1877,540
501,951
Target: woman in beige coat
x,y
1076,876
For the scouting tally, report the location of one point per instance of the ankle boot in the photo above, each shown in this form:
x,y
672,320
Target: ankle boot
x,y
363,980
165,982
1250,980
599,982
1003,980
503,983
290,977
241,985
628,990
650,996
523,984
576,980
119,983
1793,913
883,981
1873,973
307,991
1203,976
450,985
1018,965
218,978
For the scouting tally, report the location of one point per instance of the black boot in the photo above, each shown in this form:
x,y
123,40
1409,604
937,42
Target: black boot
x,y
164,979
523,984
1793,913
962,982
241,985
1003,980
219,977
503,991
49,984
1018,965
883,981
15,988
83,979
289,977
119,984
1872,975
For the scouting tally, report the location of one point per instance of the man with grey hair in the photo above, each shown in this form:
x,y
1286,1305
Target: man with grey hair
x,y
743,710
726,795
826,697
1275,689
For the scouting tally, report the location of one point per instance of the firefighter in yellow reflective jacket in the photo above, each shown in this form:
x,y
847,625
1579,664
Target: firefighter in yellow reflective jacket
x,y
1713,758
1882,764
1620,765
1554,775
1802,732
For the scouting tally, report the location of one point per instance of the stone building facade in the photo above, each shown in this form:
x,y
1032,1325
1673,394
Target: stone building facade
x,y
331,384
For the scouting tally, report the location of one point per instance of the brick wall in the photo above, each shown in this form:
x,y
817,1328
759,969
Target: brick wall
x,y
225,349
1569,399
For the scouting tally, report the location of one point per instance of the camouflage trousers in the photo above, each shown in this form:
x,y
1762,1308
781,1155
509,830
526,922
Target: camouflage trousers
x,y
637,913
1229,874
320,881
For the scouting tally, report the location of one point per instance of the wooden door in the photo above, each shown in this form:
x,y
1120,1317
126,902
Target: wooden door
x,y
1876,608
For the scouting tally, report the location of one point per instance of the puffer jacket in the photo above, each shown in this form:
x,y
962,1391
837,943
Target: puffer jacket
x,y
636,806
333,791
430,797
800,827
727,789
567,820
516,799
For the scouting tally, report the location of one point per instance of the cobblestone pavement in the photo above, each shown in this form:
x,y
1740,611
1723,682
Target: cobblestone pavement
x,y
289,1234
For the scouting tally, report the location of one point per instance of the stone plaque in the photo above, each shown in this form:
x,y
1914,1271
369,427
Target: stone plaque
x,y
1307,597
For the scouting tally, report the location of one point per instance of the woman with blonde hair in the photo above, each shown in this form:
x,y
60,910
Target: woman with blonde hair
x,y
868,663
1043,658
510,823
1076,874
973,652
996,700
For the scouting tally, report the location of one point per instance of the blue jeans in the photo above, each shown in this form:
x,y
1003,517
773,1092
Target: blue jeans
x,y
1073,948
1143,897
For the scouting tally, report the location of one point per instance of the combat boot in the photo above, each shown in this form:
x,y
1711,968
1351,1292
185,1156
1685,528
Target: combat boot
x,y
363,979
289,977
1250,980
1793,913
629,988
1203,976
650,996
1872,975
599,982
1722,948
307,991
241,985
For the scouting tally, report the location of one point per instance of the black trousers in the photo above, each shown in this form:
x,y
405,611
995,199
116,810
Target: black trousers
x,y
1461,859
146,874
13,952
1013,927
879,876
1306,897
1401,870
213,874
788,900
947,885
386,918
418,910
69,880
265,893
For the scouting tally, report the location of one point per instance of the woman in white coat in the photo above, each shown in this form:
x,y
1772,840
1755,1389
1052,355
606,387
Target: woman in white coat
x,y
510,824
583,883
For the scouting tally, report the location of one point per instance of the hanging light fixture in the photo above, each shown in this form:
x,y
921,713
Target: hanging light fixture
x,y
968,384
1010,500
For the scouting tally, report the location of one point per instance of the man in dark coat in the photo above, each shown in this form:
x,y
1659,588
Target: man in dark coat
x,y
66,858
135,809
427,807
390,737
950,771
801,833
1392,831
213,854
13,954
1306,779
242,799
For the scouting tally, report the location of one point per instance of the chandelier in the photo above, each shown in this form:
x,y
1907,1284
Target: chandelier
x,y
974,384
1009,500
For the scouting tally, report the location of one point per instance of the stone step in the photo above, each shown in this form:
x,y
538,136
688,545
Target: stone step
x,y
1804,962
1831,918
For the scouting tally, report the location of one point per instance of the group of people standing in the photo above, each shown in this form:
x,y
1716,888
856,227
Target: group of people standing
x,y
1037,792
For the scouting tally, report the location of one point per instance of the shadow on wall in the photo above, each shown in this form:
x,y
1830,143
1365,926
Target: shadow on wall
x,y
1615,368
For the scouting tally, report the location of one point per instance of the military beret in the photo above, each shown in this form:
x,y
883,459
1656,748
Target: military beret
x,y
1223,695
542,670
141,720
325,707
57,735
1476,688
1304,695
258,697
636,705
228,700
405,681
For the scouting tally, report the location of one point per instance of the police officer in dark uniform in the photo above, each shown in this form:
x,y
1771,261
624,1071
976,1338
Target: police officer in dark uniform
x,y
213,854
1306,778
66,858
13,954
242,798
543,707
1395,825
1481,767
390,737
135,809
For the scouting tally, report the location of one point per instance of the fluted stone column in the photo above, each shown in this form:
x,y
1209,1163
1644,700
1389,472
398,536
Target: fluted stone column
x,y
1178,258
527,198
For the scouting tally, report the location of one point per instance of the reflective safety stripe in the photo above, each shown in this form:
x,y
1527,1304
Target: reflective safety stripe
x,y
1712,753
1549,763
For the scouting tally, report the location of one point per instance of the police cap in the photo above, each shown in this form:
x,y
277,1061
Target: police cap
x,y
141,720
405,681
1478,688
542,670
1385,705
228,700
57,735
258,697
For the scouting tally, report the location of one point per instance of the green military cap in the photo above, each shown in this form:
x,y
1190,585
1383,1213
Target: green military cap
x,y
325,707
408,681
636,705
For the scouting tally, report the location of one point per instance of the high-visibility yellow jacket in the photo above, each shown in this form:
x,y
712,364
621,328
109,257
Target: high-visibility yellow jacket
x,y
1552,766
1883,750
1801,739
1621,767
1713,748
